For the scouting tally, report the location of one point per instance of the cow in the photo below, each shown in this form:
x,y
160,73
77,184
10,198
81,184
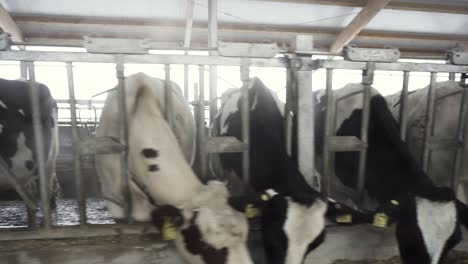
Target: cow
x,y
18,145
164,188
292,213
427,217
448,102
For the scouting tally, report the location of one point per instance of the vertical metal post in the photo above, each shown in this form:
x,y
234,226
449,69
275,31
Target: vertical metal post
x,y
430,113
462,120
76,153
328,131
403,106
23,70
451,76
186,80
124,137
201,123
305,123
168,95
187,38
31,210
245,119
287,111
367,80
213,43
44,177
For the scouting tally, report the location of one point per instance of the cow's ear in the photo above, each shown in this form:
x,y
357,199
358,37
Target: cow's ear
x,y
167,213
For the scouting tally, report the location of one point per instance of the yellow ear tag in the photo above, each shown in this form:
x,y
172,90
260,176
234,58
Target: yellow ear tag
x,y
395,202
347,218
265,197
380,220
168,230
251,211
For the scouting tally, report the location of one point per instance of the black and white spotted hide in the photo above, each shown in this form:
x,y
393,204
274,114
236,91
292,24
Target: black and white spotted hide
x,y
428,216
292,220
208,230
159,156
18,146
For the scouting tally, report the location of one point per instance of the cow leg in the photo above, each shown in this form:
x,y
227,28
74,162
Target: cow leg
x,y
411,244
56,191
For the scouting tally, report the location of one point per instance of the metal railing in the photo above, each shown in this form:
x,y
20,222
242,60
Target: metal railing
x,y
299,98
333,144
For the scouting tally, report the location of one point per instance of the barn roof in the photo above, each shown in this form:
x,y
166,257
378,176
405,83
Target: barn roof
x,y
415,26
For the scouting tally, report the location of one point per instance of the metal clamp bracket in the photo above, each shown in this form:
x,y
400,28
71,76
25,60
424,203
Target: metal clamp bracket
x,y
353,53
458,58
249,50
5,41
368,74
116,45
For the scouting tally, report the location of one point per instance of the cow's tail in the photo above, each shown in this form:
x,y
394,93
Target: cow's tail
x,y
462,209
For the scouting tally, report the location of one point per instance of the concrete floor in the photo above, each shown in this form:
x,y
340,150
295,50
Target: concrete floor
x,y
353,243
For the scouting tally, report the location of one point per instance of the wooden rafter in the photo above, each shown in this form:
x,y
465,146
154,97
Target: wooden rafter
x,y
228,31
9,25
367,13
459,8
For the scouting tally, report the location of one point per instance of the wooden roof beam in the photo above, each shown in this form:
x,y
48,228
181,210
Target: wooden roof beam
x,y
188,23
8,25
367,13
459,8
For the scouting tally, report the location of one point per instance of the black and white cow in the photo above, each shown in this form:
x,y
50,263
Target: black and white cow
x,y
292,219
17,141
428,217
448,103
207,229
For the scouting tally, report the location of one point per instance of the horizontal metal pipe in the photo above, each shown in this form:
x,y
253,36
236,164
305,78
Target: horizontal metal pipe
x,y
147,58
61,232
380,66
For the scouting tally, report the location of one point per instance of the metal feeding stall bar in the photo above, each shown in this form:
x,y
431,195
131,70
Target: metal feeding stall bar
x,y
92,145
385,61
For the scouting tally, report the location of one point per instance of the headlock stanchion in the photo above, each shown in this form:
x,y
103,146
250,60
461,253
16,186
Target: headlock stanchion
x,y
299,100
201,134
122,103
76,154
245,119
44,176
461,132
367,81
403,106
328,132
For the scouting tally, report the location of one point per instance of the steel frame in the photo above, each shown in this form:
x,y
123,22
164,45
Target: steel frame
x,y
431,142
299,82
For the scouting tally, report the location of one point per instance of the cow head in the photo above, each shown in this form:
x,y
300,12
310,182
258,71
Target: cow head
x,y
291,227
206,229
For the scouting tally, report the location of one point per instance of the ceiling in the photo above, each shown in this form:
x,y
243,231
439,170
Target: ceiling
x,y
416,27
